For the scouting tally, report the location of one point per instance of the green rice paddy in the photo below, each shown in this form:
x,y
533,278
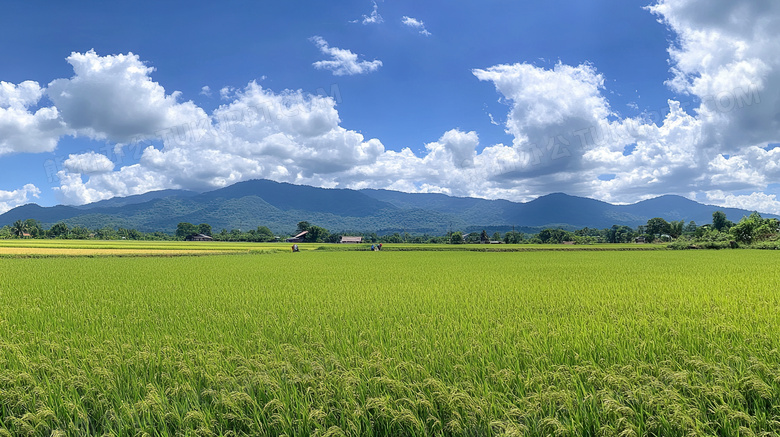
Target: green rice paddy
x,y
564,343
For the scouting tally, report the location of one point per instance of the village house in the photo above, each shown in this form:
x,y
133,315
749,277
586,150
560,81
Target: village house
x,y
199,237
298,238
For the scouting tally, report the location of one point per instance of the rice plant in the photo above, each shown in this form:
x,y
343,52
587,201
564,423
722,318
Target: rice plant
x,y
392,343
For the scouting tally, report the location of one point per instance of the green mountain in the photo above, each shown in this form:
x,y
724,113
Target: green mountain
x,y
280,206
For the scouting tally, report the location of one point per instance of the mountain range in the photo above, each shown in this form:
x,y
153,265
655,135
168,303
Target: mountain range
x,y
280,206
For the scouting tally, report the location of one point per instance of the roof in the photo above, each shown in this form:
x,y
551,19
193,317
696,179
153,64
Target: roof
x,y
345,239
199,237
301,234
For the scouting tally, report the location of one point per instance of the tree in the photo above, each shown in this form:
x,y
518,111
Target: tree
x,y
457,238
105,233
754,228
483,237
676,228
496,236
185,230
205,229
768,228
555,236
619,234
19,228
123,233
80,233
34,228
302,226
59,230
513,237
657,226
720,222
316,234
472,237
589,232
264,234
690,229
395,238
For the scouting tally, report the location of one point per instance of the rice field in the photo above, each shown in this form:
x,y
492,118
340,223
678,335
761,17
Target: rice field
x,y
563,343
48,248
40,248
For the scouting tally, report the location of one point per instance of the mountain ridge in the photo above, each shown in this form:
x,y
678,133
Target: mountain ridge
x,y
280,206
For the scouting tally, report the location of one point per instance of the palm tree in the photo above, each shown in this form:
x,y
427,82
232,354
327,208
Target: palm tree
x,y
19,228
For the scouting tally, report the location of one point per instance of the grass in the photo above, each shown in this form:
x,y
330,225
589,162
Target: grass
x,y
392,343
91,248
493,247
46,248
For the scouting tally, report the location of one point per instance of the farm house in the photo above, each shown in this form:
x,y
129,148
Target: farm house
x,y
351,240
298,238
200,237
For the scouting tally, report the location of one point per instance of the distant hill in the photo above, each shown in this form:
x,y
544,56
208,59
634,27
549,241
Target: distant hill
x,y
280,206
559,209
140,198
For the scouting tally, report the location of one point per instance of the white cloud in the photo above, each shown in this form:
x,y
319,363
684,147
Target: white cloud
x,y
460,145
113,97
374,18
205,91
20,96
415,24
23,130
88,163
726,55
550,111
225,93
343,62
289,136
12,199
294,137
752,202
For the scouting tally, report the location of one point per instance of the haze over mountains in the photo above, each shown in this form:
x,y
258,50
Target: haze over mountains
x,y
280,206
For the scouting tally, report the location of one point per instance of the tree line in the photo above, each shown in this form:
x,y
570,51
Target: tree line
x,y
721,232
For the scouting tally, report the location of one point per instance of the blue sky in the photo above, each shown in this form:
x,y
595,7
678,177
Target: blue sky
x,y
495,99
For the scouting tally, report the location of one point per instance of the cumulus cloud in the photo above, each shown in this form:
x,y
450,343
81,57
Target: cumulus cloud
x,y
414,23
343,62
551,112
460,145
288,136
88,163
19,96
752,202
23,130
726,55
12,199
566,136
205,91
113,97
559,118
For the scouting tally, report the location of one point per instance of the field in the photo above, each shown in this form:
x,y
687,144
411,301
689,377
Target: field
x,y
565,343
47,248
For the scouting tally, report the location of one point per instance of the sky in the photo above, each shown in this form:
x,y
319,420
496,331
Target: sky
x,y
617,100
